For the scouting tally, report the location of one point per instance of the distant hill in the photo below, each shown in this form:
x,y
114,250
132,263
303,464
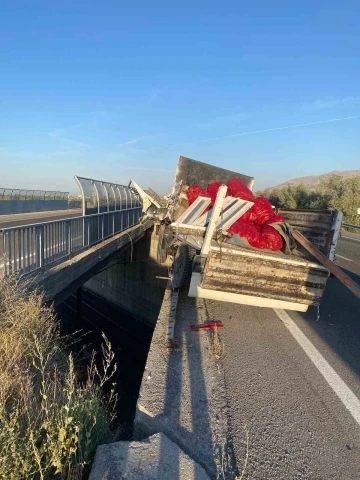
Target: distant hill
x,y
312,181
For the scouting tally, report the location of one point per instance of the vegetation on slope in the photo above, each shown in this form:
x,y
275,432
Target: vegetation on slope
x,y
334,193
50,422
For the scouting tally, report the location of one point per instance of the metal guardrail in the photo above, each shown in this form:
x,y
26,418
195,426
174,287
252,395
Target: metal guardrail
x,y
26,194
99,196
348,225
31,247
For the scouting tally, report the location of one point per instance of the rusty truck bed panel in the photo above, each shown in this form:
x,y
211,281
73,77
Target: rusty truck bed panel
x,y
291,279
299,256
315,225
193,172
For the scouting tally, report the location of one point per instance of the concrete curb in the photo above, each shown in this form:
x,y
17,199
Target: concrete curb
x,y
182,393
152,459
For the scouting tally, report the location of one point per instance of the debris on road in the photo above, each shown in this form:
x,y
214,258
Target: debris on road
x,y
228,245
210,325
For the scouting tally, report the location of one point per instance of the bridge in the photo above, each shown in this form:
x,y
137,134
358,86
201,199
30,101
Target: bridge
x,y
108,220
274,394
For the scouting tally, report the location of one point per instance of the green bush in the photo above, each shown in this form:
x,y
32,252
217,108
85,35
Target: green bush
x,y
334,193
50,422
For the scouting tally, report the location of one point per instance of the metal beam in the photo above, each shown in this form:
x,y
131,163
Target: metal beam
x,y
334,269
213,220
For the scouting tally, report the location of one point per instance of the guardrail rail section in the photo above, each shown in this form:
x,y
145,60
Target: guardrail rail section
x,y
348,225
13,201
31,247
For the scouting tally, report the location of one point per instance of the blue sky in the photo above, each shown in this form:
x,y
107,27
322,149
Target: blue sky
x,y
117,90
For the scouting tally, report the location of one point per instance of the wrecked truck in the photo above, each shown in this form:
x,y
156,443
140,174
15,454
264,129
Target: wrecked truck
x,y
209,262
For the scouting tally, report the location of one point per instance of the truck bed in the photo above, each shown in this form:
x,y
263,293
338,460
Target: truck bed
x,y
232,273
271,275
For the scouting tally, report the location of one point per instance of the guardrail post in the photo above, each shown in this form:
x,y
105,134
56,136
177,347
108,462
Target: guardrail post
x,y
68,236
7,248
88,230
83,231
102,226
39,233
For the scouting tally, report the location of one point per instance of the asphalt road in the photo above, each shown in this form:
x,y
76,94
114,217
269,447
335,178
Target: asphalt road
x,y
7,221
293,383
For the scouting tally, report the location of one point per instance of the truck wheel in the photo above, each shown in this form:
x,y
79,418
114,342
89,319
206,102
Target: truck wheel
x,y
182,266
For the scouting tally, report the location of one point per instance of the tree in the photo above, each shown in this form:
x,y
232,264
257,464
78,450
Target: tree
x,y
334,193
342,194
296,197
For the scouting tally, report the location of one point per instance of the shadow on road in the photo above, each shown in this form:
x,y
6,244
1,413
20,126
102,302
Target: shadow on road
x,y
186,415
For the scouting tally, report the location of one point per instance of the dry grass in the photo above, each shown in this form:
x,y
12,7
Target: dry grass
x,y
224,463
217,346
50,423
242,476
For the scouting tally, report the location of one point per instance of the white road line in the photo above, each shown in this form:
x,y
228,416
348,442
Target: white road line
x,y
351,238
344,258
348,398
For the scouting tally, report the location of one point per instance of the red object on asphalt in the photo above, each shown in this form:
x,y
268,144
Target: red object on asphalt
x,y
211,325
